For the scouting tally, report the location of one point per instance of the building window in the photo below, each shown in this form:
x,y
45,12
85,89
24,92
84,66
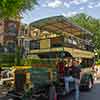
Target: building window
x,y
11,46
12,28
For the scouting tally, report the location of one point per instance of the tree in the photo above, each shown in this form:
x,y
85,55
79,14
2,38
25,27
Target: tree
x,y
12,8
87,22
5,61
91,24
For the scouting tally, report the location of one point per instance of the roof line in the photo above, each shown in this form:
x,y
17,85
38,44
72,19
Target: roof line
x,y
62,17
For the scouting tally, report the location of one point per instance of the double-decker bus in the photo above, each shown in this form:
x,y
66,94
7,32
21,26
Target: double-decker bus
x,y
56,38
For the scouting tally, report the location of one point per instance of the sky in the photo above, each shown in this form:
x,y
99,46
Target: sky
x,y
47,8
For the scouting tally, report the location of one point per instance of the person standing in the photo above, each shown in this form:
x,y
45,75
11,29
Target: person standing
x,y
76,74
60,68
67,75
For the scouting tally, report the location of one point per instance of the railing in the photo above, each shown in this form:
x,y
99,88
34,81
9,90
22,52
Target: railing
x,y
71,42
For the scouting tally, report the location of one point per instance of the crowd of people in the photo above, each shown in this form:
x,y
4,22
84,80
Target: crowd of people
x,y
70,71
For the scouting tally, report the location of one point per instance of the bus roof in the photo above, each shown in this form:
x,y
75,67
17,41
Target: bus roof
x,y
59,24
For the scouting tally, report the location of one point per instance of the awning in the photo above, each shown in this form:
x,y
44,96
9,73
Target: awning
x,y
59,24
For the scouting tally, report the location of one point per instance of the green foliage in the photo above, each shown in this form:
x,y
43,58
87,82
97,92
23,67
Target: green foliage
x,y
98,62
91,24
11,8
19,57
86,22
7,59
10,59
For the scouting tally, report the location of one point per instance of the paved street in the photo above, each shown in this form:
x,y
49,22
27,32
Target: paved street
x,y
94,94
